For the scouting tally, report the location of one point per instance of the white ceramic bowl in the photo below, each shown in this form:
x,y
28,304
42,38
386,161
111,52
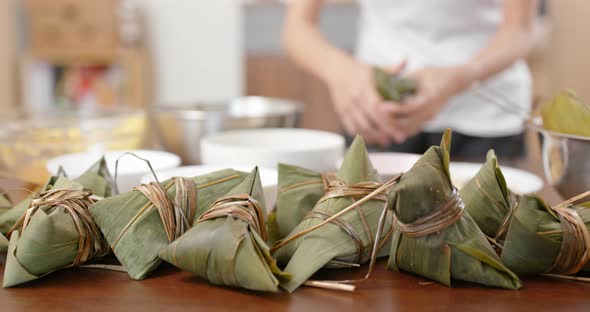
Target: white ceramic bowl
x,y
312,149
391,164
519,181
268,177
131,169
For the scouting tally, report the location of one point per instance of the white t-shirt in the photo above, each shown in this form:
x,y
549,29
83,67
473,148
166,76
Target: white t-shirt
x,y
445,33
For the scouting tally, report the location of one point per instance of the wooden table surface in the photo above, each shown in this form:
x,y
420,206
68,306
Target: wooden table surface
x,y
169,289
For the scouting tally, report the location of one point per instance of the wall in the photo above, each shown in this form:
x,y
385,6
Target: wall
x,y
7,60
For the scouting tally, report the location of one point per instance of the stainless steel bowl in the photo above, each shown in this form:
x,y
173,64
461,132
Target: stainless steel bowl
x,y
181,128
566,161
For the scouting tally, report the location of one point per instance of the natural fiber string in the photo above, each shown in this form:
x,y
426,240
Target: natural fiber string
x,y
243,207
503,229
574,251
149,204
173,213
376,193
334,189
91,242
436,221
513,202
175,219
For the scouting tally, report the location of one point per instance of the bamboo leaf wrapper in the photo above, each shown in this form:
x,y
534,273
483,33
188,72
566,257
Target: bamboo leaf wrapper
x,y
133,225
299,191
393,87
5,204
488,200
542,239
88,180
56,231
226,246
434,237
347,241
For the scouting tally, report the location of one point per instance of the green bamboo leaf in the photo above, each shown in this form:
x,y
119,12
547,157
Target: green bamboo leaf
x,y
3,243
460,251
566,113
393,87
330,246
97,179
228,251
50,240
487,197
535,235
137,235
299,189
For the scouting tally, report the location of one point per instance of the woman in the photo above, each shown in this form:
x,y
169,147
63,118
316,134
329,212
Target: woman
x,y
448,47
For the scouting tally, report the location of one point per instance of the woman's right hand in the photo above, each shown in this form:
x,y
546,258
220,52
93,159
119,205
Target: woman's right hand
x,y
358,104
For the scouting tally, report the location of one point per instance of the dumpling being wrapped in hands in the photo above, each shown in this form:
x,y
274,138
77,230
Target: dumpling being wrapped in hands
x,y
227,244
56,229
348,240
138,224
434,237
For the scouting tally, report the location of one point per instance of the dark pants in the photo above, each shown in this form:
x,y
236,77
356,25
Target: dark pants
x,y
462,146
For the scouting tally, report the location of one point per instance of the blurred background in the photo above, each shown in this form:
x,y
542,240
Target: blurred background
x,y
133,55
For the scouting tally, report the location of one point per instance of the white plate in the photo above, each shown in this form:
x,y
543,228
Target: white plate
x,y
131,169
268,178
315,150
519,181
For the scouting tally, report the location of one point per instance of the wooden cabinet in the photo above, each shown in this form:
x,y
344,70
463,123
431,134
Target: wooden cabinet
x,y
72,29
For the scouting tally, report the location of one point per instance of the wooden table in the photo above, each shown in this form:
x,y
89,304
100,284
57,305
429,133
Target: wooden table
x,y
169,289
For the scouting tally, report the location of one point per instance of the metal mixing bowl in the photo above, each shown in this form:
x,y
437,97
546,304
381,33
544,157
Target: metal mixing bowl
x,y
180,128
566,161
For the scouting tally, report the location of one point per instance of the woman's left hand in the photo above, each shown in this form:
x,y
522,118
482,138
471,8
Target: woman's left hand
x,y
436,85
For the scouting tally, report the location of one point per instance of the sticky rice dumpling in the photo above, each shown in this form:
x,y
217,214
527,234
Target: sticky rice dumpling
x,y
138,224
543,239
393,87
347,241
5,204
299,191
56,231
488,200
87,180
226,246
434,237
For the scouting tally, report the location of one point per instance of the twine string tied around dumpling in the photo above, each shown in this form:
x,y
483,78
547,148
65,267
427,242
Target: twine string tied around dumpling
x,y
335,188
175,213
437,220
243,207
375,192
574,252
91,242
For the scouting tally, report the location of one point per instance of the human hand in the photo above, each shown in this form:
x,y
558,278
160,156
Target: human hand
x,y
436,85
358,104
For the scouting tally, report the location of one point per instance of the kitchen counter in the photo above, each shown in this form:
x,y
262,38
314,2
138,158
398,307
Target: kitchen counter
x,y
169,289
